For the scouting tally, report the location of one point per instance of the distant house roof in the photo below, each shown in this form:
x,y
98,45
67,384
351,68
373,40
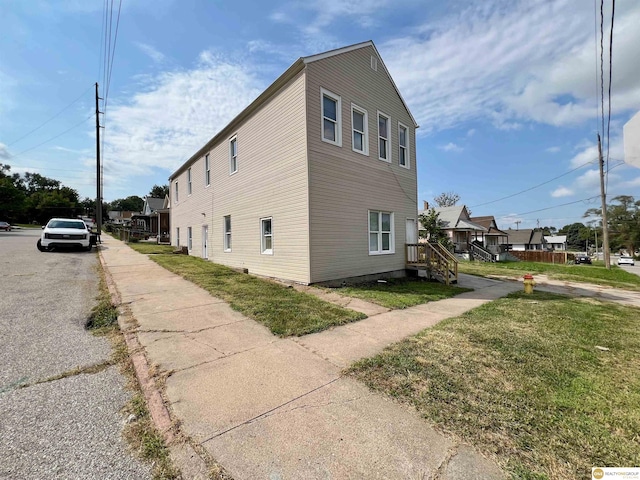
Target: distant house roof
x,y
151,204
526,236
555,239
456,217
489,222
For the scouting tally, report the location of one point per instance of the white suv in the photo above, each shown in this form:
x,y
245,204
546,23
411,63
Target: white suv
x,y
64,232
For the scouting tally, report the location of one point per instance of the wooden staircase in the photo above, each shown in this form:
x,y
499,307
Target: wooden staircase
x,y
434,259
478,252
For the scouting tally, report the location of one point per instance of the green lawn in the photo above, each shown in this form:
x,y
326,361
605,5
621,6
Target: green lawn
x,y
522,380
616,277
151,248
401,293
285,311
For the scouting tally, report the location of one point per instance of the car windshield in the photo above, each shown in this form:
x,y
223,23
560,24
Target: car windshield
x,y
625,258
67,224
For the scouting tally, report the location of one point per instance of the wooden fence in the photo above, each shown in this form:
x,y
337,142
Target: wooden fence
x,y
542,256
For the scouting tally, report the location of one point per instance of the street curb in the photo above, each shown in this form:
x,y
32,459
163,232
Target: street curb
x,y
183,456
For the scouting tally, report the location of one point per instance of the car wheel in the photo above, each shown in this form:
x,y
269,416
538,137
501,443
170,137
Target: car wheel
x,y
88,248
41,248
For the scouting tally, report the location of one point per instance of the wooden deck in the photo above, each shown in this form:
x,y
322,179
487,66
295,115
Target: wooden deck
x,y
434,258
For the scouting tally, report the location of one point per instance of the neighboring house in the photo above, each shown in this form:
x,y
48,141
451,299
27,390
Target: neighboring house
x,y
526,239
494,239
314,181
556,242
118,217
154,218
458,226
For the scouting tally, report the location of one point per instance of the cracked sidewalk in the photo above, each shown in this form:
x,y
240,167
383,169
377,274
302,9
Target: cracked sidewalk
x,y
268,407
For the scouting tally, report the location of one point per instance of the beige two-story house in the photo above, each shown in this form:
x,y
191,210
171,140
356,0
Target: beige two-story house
x,y
314,181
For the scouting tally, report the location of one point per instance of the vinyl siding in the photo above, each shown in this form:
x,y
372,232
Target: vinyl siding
x,y
345,185
271,182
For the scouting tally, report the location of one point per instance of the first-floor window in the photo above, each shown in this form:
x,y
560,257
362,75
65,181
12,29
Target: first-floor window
x,y
227,233
189,238
266,234
381,239
177,236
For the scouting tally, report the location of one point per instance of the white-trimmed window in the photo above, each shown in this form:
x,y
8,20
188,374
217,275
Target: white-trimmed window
x,y
384,137
381,236
176,191
359,130
266,236
403,145
227,233
177,236
189,181
207,171
189,238
331,117
233,155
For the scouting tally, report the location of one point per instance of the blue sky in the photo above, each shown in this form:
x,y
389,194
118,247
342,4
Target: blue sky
x,y
504,91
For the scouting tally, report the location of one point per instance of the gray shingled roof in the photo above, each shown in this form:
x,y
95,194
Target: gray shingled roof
x,y
155,203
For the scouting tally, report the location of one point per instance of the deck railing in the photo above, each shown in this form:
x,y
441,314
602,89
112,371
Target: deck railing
x,y
433,257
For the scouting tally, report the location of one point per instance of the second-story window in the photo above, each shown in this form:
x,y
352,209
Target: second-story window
x,y
383,137
233,155
189,181
176,191
207,171
359,127
403,145
331,118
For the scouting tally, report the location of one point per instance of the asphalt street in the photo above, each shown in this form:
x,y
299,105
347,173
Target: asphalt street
x,y
67,428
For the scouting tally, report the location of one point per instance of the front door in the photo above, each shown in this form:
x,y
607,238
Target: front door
x,y
412,237
205,240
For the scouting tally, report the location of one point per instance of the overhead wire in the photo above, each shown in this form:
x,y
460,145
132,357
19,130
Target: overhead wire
x,y
53,138
613,11
534,187
54,116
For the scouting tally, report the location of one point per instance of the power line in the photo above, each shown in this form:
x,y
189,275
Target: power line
x,y
613,11
558,206
47,121
602,62
595,47
53,138
534,187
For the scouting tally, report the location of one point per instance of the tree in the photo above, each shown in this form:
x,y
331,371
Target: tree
x,y
432,228
12,194
576,234
624,222
132,203
159,191
447,199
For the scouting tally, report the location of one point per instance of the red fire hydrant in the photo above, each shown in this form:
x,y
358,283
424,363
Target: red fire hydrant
x,y
528,283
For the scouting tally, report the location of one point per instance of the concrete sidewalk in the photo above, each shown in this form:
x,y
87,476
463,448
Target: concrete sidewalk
x,y
272,408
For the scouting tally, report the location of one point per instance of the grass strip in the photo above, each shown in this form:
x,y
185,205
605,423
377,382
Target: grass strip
x,y
616,277
522,379
282,309
402,292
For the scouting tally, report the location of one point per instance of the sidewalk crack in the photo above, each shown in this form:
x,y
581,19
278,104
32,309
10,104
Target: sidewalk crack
x,y
452,451
268,412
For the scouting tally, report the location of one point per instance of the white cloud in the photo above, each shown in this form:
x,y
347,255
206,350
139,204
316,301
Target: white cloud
x,y
631,183
451,147
4,152
174,114
509,220
471,132
513,62
562,192
552,150
151,52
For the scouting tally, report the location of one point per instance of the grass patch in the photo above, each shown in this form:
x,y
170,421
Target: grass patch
x,y
27,225
152,248
104,315
616,277
402,293
521,379
283,310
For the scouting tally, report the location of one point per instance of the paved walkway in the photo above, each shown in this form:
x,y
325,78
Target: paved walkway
x,y
272,408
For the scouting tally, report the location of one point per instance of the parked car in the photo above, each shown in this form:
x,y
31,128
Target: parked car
x,y
5,226
626,260
64,232
582,259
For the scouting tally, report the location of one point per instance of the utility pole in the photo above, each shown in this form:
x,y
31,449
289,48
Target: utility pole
x,y
98,175
605,224
518,222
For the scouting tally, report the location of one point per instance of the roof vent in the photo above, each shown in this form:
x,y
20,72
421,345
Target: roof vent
x,y
374,63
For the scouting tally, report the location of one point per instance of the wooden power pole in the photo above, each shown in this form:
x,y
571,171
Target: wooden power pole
x,y
98,176
605,224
